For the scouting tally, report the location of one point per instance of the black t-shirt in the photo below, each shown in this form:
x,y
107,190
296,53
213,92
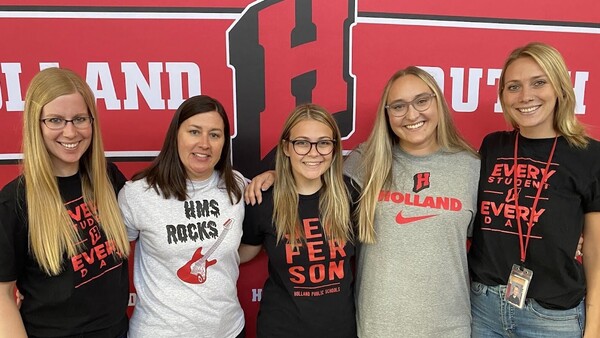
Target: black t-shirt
x,y
309,293
572,189
90,297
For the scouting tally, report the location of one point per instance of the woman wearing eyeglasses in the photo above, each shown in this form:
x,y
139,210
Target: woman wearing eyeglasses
x,y
418,202
304,224
419,192
62,239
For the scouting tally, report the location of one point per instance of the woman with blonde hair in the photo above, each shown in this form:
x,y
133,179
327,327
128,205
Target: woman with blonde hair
x,y
62,239
419,185
305,226
539,190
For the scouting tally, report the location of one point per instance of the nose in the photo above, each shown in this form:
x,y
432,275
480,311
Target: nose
x,y
313,150
203,141
526,94
69,129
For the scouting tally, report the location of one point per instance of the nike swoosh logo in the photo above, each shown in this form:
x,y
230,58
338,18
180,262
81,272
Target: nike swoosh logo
x,y
405,220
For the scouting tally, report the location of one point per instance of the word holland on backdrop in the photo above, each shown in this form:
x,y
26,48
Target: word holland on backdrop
x,y
101,80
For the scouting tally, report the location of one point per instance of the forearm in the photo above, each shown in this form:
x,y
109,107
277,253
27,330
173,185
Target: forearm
x,y
11,324
591,265
247,252
592,299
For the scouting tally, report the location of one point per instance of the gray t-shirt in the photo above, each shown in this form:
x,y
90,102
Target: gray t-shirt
x,y
186,263
413,282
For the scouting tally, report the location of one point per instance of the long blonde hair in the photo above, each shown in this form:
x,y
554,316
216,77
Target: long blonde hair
x,y
552,63
334,201
51,230
377,162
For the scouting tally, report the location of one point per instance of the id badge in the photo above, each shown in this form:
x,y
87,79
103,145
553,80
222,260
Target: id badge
x,y
518,285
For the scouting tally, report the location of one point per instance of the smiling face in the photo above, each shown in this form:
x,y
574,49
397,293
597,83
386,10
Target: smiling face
x,y
308,169
200,141
529,98
68,144
417,131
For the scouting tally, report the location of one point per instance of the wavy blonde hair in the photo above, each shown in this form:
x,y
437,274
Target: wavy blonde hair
x,y
377,161
51,230
552,63
334,201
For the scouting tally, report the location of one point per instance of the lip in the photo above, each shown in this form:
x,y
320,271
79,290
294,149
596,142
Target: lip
x,y
528,110
312,164
69,145
415,126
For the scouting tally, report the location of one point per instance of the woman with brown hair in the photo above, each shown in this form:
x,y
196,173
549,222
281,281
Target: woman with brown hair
x,y
185,211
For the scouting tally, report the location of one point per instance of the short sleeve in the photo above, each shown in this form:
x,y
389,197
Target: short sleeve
x,y
592,195
13,233
132,231
352,164
476,172
257,218
116,176
484,145
8,254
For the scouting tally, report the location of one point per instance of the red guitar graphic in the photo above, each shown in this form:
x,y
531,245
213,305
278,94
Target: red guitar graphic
x,y
194,271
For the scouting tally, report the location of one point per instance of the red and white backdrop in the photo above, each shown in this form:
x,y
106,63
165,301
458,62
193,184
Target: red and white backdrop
x,y
143,58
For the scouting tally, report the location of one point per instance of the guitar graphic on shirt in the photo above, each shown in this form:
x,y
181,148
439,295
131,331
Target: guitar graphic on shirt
x,y
194,271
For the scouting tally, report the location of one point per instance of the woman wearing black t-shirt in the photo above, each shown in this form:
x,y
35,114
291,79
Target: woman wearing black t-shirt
x,y
539,190
304,224
62,238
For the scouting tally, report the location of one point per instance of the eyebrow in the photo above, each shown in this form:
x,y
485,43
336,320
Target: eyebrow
x,y
62,116
305,138
536,77
415,97
201,128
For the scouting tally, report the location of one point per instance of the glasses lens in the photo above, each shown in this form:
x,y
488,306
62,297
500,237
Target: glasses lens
x,y
82,121
54,123
422,103
301,147
325,147
398,108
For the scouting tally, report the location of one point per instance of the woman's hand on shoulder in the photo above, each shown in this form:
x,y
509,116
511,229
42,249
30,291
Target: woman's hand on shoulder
x,y
260,183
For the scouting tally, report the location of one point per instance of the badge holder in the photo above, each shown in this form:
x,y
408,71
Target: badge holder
x,y
518,285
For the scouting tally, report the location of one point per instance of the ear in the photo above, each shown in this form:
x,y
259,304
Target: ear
x,y
286,145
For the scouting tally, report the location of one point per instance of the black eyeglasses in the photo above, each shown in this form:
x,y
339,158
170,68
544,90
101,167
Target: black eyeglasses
x,y
420,103
57,123
303,147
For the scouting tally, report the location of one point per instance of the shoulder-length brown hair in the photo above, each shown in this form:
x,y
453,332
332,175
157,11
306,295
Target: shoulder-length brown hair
x,y
167,175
